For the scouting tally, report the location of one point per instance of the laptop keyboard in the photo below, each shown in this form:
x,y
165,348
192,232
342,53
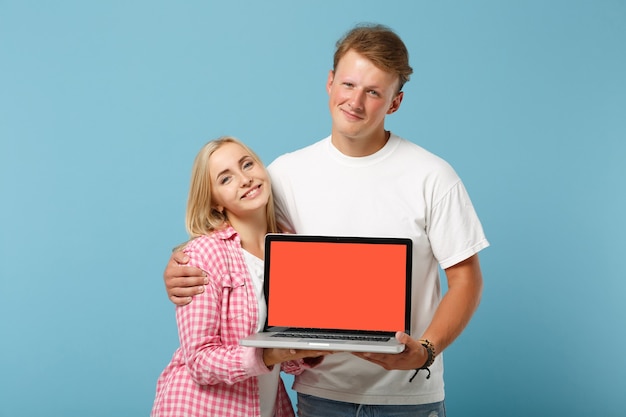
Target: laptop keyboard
x,y
354,337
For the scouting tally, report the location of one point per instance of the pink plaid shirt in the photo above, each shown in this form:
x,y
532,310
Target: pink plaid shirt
x,y
210,374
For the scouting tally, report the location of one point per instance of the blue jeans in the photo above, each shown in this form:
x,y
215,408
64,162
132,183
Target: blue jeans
x,y
310,406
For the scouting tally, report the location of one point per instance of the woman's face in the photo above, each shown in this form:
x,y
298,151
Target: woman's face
x,y
240,185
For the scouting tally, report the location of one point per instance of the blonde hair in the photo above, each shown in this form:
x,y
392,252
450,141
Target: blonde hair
x,y
201,218
379,44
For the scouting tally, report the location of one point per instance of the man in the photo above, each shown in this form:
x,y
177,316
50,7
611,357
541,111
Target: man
x,y
363,180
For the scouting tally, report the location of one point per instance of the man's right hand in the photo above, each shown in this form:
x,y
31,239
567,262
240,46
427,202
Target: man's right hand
x,y
182,282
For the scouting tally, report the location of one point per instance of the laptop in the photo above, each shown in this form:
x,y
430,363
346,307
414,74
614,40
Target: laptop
x,y
335,293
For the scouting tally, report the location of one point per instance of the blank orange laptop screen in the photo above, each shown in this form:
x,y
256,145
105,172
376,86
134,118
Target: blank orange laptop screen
x,y
329,285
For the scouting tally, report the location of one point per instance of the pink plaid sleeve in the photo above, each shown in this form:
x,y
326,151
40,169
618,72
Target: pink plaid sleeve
x,y
210,327
210,374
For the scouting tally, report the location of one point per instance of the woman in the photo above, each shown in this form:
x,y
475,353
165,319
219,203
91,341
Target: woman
x,y
229,211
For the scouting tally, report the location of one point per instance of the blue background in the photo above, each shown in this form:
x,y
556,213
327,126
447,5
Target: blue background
x,y
103,106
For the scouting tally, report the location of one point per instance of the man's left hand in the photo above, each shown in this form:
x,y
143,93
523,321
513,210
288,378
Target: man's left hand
x,y
413,356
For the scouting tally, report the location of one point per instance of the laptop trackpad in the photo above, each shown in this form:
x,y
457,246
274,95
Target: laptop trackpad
x,y
320,344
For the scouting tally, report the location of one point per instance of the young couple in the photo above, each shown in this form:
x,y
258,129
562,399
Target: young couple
x,y
367,182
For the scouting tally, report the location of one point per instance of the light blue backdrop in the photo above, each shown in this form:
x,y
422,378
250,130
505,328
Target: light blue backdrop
x,y
103,106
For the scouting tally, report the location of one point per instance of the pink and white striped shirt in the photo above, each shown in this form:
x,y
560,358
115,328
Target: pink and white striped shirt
x,y
210,374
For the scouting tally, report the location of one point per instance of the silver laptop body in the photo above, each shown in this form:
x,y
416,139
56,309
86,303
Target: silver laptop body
x,y
337,293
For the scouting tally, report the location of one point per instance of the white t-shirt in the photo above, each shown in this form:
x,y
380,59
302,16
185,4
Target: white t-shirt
x,y
268,383
400,191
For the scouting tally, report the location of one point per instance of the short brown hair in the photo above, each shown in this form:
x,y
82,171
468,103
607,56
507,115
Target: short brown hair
x,y
379,44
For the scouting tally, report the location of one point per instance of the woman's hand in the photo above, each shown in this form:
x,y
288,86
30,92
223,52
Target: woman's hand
x,y
272,356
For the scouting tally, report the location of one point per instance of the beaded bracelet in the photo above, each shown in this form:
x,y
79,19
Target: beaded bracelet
x,y
430,349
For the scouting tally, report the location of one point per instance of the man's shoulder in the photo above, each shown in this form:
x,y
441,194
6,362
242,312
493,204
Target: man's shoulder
x,y
412,149
415,157
299,156
408,145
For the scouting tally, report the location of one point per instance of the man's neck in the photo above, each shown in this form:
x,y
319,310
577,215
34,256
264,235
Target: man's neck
x,y
359,147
